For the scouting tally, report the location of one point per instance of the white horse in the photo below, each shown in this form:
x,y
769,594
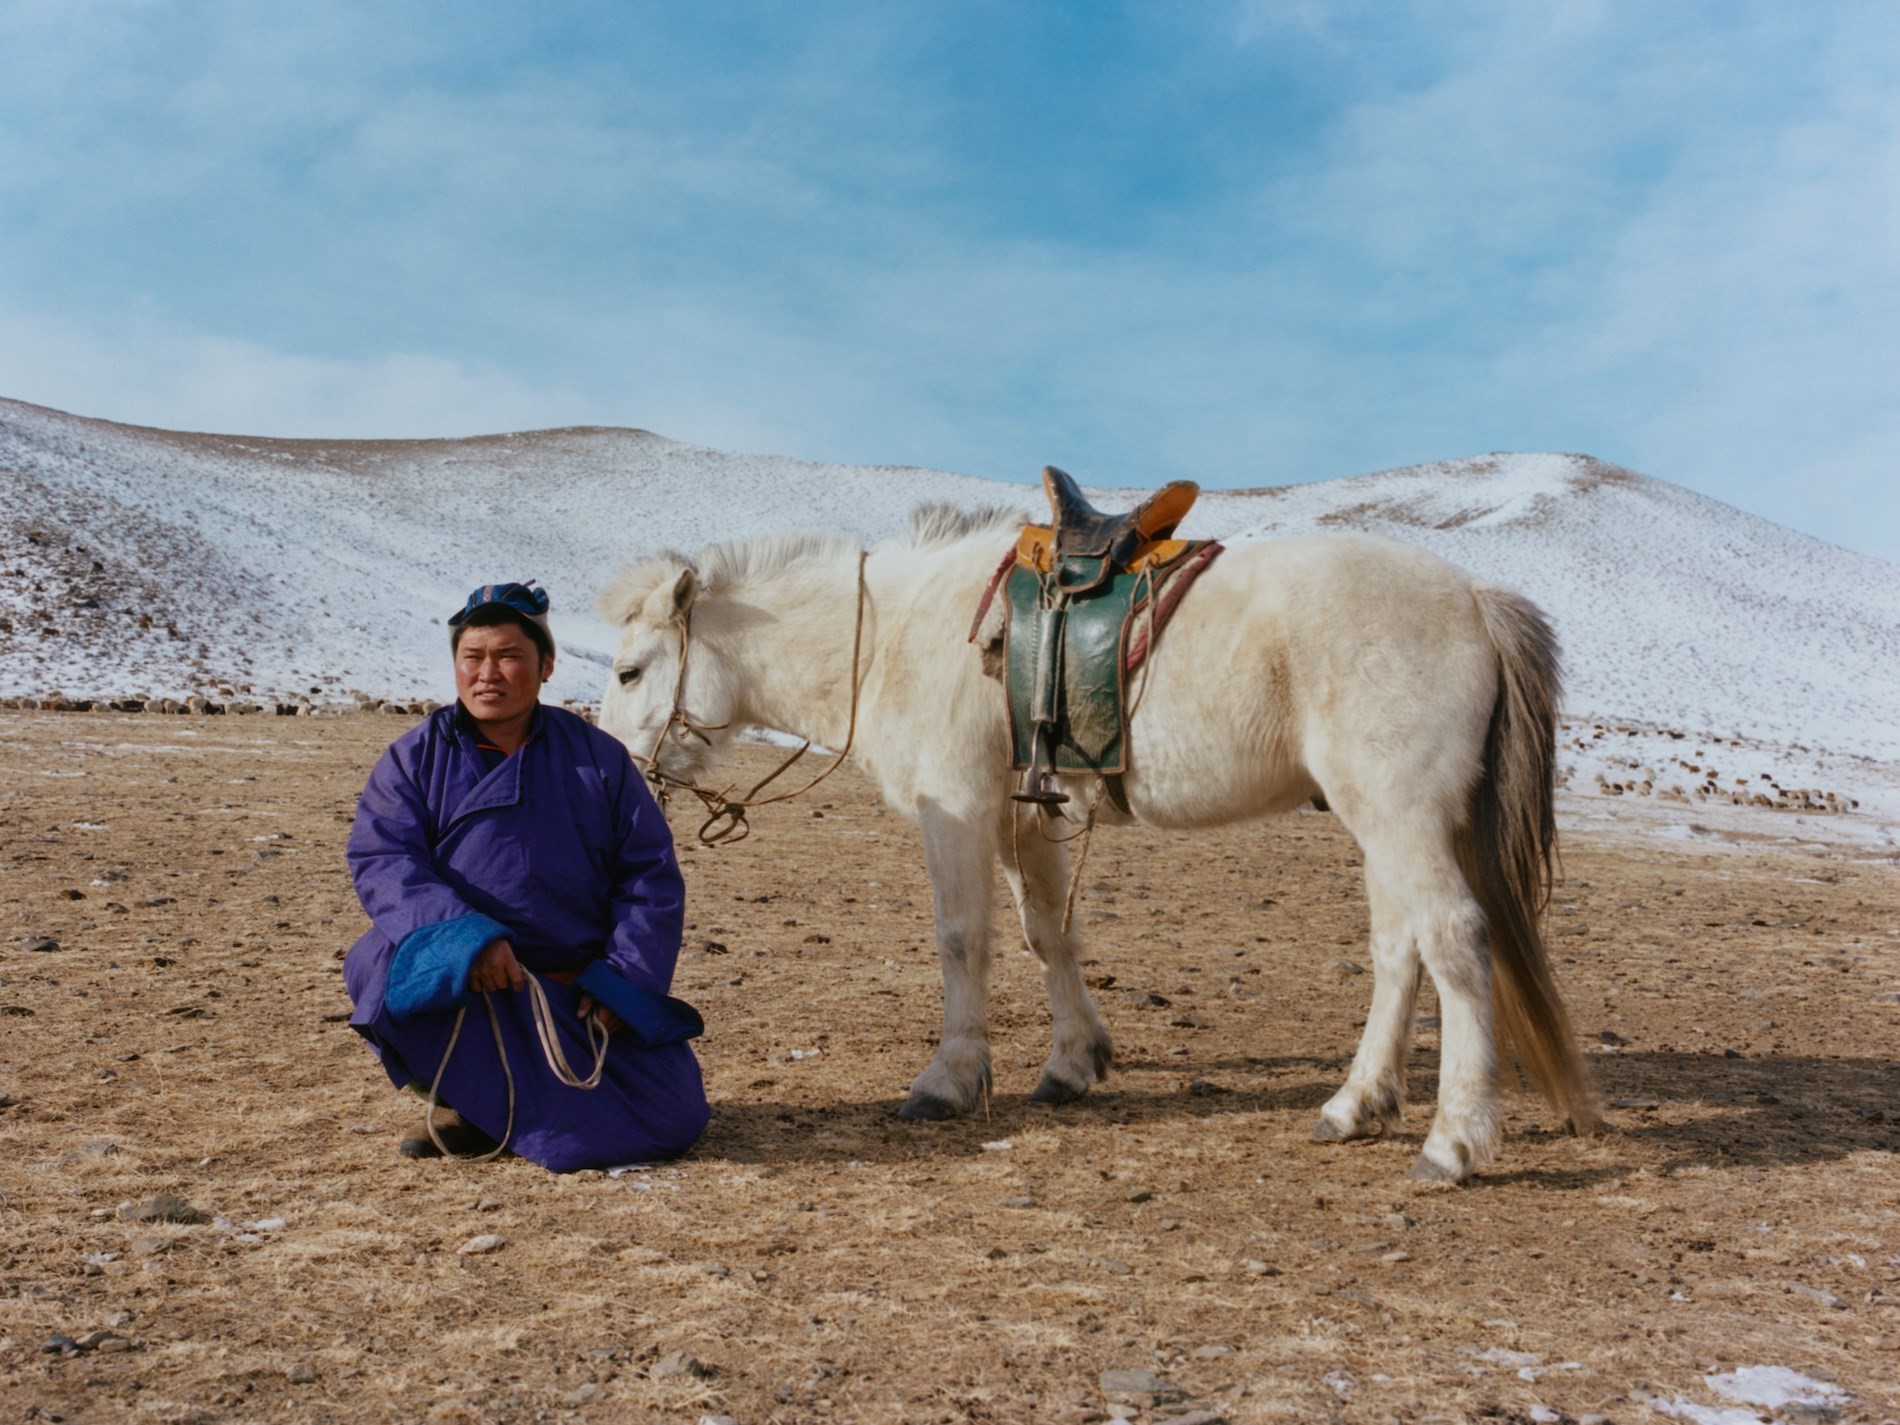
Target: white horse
x,y
1420,702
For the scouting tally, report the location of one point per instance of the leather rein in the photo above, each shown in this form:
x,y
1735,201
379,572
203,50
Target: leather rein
x,y
726,814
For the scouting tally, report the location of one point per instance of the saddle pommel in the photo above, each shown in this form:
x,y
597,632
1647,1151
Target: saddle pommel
x,y
1080,528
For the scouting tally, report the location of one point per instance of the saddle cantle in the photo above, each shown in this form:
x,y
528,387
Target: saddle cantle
x,y
1077,531
1080,528
1084,596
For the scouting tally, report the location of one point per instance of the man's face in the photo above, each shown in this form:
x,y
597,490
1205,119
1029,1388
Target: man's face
x,y
499,672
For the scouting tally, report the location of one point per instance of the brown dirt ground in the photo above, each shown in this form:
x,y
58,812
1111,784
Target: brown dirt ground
x,y
832,1263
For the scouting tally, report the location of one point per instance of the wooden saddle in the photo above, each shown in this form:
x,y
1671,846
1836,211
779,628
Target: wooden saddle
x,y
1084,596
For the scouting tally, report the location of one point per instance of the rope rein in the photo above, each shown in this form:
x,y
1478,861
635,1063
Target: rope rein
x,y
726,814
544,1024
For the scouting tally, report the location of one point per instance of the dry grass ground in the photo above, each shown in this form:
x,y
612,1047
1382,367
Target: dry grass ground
x,y
828,1262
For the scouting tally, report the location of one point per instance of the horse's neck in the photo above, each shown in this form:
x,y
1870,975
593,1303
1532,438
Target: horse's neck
x,y
789,640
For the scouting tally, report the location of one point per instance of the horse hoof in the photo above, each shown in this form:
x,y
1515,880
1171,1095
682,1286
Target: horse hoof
x,y
1426,1170
1327,1131
1052,1090
928,1108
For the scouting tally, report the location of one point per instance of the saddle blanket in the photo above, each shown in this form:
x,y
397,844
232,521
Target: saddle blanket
x,y
1106,634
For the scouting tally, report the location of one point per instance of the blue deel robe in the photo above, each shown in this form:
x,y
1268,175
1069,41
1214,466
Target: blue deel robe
x,y
561,849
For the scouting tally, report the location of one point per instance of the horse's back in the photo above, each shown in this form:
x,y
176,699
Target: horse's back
x,y
1299,665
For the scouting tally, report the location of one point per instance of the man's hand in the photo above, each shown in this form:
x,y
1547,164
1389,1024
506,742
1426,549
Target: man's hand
x,y
497,969
604,1016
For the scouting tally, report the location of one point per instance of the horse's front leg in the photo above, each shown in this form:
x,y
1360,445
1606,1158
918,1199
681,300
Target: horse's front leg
x,y
1037,870
958,852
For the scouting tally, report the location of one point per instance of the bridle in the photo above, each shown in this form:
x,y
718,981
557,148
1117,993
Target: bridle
x,y
726,814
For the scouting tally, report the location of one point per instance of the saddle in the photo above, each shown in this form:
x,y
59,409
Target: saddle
x,y
1126,543
1085,595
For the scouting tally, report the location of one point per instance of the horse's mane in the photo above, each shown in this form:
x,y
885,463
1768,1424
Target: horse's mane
x,y
620,600
729,564
940,523
732,563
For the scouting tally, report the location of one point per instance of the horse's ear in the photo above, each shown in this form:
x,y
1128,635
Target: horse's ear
x,y
685,589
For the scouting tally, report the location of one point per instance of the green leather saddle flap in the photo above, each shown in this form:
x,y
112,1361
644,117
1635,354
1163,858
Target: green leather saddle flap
x,y
1090,733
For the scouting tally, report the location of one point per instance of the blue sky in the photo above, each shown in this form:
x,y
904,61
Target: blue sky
x,y
1245,243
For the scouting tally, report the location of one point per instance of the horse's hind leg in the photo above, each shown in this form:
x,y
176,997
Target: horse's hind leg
x,y
1081,1052
958,853
1373,1095
1437,922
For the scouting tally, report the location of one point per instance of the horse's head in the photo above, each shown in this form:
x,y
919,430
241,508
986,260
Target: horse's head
x,y
658,713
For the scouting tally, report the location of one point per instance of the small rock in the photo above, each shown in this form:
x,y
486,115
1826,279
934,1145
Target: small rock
x,y
488,1204
90,1150
151,1246
678,1365
303,1374
165,1207
1141,1195
1206,1088
717,1420
1211,1353
41,945
1345,967
585,1395
1260,1269
1018,1202
480,1246
1499,1356
103,1341
1826,1298
1140,1388
1200,1415
57,1345
1115,1267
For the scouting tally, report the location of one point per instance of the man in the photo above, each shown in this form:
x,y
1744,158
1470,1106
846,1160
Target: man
x,y
515,868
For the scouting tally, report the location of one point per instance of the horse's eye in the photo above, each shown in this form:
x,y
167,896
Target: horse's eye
x,y
629,676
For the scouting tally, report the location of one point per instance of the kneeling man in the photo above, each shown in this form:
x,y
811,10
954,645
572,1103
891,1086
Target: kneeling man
x,y
507,852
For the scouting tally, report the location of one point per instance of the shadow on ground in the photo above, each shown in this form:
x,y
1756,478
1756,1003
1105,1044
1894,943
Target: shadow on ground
x,y
1742,1112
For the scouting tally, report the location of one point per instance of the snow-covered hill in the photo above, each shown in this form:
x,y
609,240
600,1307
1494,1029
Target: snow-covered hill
x,y
1705,648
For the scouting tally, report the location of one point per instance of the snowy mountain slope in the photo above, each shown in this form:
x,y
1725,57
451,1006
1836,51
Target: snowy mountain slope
x,y
1696,636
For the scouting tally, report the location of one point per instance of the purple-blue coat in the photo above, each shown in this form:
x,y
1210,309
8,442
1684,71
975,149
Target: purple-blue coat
x,y
561,849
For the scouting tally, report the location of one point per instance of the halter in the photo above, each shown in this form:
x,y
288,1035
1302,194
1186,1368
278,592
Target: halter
x,y
726,819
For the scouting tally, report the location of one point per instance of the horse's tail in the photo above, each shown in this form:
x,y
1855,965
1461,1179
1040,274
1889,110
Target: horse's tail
x,y
1506,846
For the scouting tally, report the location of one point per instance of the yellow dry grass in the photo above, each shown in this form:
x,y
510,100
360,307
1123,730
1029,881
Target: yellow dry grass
x,y
829,1262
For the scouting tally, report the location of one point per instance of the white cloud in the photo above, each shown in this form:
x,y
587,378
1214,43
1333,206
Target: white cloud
x,y
146,372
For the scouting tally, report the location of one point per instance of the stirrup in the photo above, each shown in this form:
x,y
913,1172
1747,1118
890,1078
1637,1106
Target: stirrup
x,y
1038,788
